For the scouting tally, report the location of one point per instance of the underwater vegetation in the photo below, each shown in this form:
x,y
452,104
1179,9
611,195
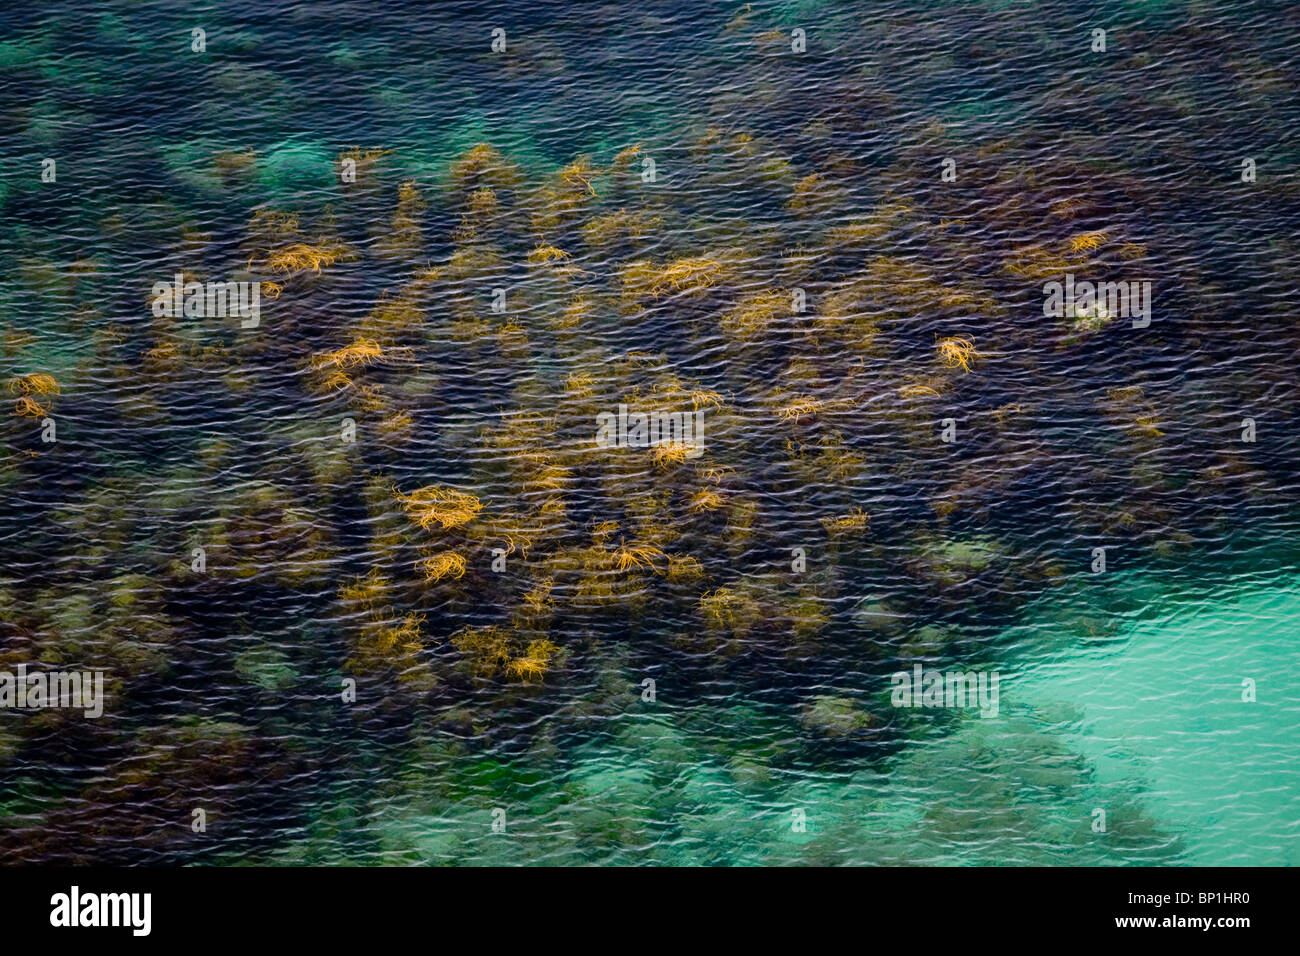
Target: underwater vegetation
x,y
391,487
444,507
30,391
957,352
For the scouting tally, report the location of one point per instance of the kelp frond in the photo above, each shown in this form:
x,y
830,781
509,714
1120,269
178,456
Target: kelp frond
x,y
672,453
447,564
957,352
360,352
643,557
534,662
547,253
37,383
435,505
1087,241
855,520
303,257
27,407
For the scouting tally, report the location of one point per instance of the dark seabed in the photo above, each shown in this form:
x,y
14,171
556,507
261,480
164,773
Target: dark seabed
x,y
366,583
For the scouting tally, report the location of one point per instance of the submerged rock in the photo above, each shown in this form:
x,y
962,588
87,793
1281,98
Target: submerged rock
x,y
830,716
875,615
747,771
266,666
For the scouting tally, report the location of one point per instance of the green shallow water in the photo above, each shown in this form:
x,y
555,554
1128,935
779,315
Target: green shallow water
x,y
1163,708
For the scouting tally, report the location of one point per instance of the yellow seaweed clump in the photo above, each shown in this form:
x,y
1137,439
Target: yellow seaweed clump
x,y
483,166
535,660
707,500
800,406
916,391
672,453
361,352
27,407
957,352
755,315
686,276
731,609
1002,412
683,567
402,238
1036,263
855,520
303,257
332,368
486,649
579,174
702,397
37,383
613,227
386,643
397,426
447,564
547,253
404,636
628,557
622,161
26,388
163,353
538,599
435,505
1087,241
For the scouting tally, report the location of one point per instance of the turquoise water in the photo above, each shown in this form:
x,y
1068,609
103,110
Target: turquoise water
x,y
1162,705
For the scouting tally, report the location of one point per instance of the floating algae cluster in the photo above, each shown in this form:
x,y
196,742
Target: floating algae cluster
x,y
364,559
